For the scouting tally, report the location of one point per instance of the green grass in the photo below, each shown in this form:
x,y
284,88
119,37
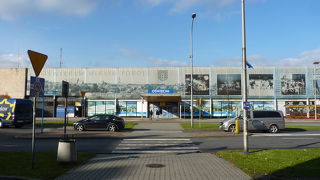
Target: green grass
x,y
203,126
287,163
303,127
130,125
45,167
54,123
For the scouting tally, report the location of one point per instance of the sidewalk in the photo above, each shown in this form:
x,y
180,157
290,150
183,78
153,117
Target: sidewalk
x,y
156,166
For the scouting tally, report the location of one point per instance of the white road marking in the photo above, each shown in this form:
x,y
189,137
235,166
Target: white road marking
x,y
147,146
282,134
298,138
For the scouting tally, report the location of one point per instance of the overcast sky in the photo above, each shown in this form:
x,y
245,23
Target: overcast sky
x,y
156,33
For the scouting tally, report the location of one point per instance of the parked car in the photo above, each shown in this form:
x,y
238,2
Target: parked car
x,y
15,112
257,120
100,121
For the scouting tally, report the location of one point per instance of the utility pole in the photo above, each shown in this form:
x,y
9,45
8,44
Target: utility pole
x,y
244,75
61,58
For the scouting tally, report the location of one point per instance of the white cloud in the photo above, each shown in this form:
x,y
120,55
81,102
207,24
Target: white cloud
x,y
166,63
159,62
13,9
306,58
13,61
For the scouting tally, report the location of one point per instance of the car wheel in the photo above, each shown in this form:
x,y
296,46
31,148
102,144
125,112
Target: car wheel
x,y
112,128
273,128
232,128
1,125
80,127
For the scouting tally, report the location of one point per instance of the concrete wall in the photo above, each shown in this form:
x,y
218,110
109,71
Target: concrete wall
x,y
13,82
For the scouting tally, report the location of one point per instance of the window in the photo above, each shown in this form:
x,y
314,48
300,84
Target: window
x,y
263,114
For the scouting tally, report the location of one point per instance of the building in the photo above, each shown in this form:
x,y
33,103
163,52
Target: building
x,y
133,92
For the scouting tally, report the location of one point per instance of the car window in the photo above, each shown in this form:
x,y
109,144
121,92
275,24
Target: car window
x,y
263,114
94,118
108,117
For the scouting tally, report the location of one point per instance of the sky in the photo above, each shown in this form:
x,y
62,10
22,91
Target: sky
x,y
156,33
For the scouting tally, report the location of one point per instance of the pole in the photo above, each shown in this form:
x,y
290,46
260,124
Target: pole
x,y
33,131
42,114
60,57
244,75
191,59
315,91
65,119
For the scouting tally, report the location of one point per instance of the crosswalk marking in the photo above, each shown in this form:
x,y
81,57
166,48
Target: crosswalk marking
x,y
130,146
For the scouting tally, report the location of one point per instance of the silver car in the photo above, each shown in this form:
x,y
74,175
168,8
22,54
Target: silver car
x,y
272,121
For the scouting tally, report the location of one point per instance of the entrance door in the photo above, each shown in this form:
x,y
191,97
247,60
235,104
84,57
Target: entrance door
x,y
164,110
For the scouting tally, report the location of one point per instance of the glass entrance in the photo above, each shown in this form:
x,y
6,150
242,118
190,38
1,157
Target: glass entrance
x,y
164,109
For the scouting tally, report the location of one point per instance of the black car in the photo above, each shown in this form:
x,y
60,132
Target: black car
x,y
100,121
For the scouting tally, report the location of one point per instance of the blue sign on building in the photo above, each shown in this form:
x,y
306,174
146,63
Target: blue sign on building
x,y
160,91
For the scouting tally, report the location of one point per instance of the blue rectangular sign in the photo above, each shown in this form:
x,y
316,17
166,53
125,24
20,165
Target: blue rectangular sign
x,y
246,105
160,91
36,86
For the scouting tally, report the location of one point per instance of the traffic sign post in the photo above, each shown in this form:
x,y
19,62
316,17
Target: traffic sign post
x,y
83,102
65,93
37,60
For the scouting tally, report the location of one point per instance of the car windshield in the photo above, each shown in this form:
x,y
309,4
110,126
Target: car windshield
x,y
240,114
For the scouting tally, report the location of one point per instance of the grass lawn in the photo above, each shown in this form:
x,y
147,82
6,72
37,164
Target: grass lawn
x,y
54,123
289,163
130,125
302,127
203,126
46,166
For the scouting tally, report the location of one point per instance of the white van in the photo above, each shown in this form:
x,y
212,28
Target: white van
x,y
272,121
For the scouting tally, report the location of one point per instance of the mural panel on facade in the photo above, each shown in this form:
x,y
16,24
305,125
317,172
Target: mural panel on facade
x,y
261,85
296,108
316,86
229,84
200,84
293,84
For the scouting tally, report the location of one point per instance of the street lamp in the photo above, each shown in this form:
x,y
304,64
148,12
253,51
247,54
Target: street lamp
x,y
244,75
191,62
315,88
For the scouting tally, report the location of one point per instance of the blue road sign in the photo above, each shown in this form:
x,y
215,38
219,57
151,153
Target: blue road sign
x,y
246,105
36,87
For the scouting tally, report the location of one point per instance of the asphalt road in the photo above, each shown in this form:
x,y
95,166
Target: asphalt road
x,y
291,139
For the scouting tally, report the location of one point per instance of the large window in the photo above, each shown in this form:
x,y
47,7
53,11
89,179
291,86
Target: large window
x,y
101,107
127,108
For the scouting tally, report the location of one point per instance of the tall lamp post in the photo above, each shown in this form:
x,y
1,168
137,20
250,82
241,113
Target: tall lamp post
x,y
191,62
315,88
244,75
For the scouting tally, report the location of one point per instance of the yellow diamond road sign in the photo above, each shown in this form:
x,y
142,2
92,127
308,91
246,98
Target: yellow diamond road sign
x,y
37,60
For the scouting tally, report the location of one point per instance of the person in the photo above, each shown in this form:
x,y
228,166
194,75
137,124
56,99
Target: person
x,y
157,113
150,114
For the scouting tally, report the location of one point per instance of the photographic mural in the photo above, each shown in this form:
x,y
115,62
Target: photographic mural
x,y
261,85
293,84
316,85
229,84
200,84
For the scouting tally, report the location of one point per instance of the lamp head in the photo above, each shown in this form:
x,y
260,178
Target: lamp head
x,y
193,15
